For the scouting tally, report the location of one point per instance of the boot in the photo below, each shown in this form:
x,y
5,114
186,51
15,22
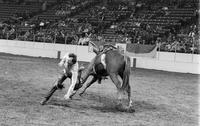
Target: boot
x,y
49,94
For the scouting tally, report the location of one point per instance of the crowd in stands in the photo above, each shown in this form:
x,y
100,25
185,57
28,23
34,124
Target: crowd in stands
x,y
67,8
171,25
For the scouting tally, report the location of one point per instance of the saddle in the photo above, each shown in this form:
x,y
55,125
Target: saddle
x,y
107,48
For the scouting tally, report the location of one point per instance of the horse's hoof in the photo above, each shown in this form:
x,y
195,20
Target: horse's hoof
x,y
130,110
121,108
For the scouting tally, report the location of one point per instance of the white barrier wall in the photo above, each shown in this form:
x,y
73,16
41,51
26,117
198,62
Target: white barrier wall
x,y
37,49
182,67
175,62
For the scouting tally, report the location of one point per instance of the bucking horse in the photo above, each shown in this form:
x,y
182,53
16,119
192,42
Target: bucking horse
x,y
109,61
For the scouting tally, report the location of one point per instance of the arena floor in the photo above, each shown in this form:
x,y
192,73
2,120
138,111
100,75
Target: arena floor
x,y
159,98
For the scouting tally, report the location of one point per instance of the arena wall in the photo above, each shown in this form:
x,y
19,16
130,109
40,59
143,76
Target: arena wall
x,y
167,61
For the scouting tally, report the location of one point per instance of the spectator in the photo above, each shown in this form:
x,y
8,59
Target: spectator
x,y
44,6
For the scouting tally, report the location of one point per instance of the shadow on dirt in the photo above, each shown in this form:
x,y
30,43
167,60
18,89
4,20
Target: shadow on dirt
x,y
103,104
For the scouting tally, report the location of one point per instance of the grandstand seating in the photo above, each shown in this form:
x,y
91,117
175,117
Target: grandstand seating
x,y
114,22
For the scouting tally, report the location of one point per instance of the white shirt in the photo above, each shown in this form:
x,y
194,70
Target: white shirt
x,y
73,69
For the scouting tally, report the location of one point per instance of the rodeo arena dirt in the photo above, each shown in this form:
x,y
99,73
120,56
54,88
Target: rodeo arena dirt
x,y
159,38
159,98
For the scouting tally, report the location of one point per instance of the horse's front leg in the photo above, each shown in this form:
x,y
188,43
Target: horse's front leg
x,y
94,79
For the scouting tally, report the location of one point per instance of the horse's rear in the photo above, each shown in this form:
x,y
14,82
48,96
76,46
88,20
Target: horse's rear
x,y
114,61
119,64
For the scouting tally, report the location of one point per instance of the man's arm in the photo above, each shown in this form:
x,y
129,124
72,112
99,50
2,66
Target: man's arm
x,y
74,72
63,60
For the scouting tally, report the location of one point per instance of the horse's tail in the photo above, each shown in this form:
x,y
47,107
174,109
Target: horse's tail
x,y
126,73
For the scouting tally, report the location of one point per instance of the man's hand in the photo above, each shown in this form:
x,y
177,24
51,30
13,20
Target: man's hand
x,y
60,64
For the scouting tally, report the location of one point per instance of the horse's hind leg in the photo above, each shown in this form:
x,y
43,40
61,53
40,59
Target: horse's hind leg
x,y
94,79
117,83
128,90
130,106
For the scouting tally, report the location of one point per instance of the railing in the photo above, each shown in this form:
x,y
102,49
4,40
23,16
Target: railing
x,y
191,46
